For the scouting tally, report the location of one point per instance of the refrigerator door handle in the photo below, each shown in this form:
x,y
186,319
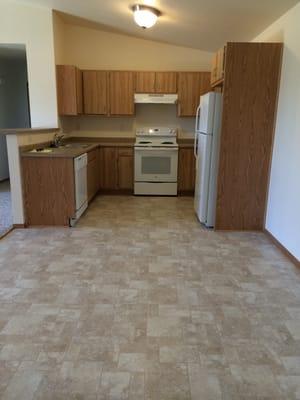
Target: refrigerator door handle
x,y
195,144
196,131
197,119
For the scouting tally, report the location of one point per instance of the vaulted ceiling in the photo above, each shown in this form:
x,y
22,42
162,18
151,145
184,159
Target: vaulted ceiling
x,y
201,24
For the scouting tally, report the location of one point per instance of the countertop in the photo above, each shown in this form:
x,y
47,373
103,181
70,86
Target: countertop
x,y
67,151
88,144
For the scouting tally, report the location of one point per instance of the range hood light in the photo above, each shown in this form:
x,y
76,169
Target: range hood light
x,y
145,16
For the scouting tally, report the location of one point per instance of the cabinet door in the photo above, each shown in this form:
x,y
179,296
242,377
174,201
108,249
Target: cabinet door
x,y
125,168
121,89
145,82
79,91
95,92
108,168
186,170
166,82
191,85
69,90
93,173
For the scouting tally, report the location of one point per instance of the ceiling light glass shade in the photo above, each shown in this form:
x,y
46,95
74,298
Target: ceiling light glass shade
x,y
145,16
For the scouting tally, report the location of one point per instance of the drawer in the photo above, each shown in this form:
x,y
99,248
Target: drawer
x,y
125,151
92,155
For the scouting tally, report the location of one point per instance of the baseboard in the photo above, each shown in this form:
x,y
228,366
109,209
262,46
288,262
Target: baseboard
x,y
283,249
19,226
7,232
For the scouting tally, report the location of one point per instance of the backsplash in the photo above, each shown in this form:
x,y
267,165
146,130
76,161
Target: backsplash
x,y
146,115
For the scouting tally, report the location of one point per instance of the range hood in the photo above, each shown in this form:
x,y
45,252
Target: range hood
x,y
151,98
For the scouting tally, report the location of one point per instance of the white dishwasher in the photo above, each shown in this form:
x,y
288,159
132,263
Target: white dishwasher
x,y
81,196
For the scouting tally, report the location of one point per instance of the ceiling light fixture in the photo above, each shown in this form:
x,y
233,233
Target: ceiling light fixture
x,y
145,16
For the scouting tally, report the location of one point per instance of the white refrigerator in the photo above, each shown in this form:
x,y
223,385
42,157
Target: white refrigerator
x,y
206,150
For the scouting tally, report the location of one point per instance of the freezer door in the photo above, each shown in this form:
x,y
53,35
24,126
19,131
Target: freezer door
x,y
207,106
202,176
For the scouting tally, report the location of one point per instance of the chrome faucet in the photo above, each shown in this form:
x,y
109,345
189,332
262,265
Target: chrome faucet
x,y
57,140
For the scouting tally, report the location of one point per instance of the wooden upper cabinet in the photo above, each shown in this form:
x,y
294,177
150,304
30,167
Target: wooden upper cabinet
x,y
165,82
191,85
156,82
69,90
95,92
121,92
218,66
145,82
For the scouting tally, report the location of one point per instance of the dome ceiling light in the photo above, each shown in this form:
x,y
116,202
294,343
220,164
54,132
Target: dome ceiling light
x,y
145,16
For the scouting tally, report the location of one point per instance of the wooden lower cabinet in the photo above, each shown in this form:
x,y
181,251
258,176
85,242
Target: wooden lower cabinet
x,y
93,181
186,170
49,190
125,168
116,168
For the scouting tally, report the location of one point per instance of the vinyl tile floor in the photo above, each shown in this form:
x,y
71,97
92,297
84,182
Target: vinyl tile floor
x,y
138,301
5,207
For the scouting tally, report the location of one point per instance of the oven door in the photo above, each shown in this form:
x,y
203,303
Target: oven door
x,y
155,164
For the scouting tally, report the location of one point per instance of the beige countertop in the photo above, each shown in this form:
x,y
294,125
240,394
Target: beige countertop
x,y
81,146
84,145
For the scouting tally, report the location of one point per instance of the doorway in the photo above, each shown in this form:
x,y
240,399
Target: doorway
x,y
14,114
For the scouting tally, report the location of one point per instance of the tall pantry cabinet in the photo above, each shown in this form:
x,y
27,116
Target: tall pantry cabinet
x,y
248,76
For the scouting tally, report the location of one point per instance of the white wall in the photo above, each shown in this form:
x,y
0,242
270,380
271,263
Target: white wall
x,y
283,211
32,26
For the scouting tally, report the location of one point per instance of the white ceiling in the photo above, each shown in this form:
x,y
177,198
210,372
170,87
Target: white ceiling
x,y
202,24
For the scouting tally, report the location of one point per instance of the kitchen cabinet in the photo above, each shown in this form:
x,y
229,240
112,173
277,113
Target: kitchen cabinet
x,y
250,92
108,157
121,92
145,82
165,82
155,82
116,168
95,99
48,190
69,90
186,170
125,168
218,65
191,85
93,179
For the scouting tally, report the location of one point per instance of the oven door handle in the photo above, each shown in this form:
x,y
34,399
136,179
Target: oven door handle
x,y
156,148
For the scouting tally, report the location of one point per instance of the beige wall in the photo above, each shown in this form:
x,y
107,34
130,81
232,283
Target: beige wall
x,y
283,212
91,48
58,36
95,49
33,27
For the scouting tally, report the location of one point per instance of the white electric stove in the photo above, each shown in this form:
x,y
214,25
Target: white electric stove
x,y
156,161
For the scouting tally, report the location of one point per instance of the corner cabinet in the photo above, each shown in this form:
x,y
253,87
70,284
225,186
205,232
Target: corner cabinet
x,y
121,92
69,90
191,85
